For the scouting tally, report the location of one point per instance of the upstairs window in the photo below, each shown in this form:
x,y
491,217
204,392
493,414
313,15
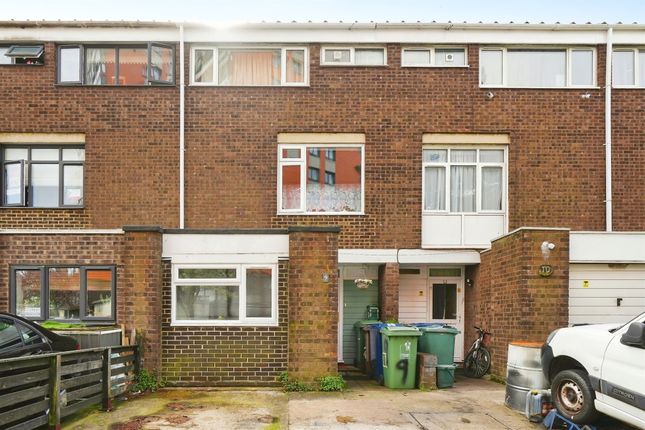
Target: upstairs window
x,y
353,56
148,64
628,67
463,180
43,176
433,57
247,66
329,182
537,68
31,55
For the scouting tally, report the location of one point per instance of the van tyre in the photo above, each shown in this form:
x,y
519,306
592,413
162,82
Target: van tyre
x,y
573,396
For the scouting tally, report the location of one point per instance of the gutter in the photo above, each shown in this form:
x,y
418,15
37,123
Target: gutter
x,y
608,188
181,129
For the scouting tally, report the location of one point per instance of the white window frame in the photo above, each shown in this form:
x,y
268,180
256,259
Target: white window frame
x,y
302,162
568,80
239,280
478,182
635,54
432,63
352,56
283,64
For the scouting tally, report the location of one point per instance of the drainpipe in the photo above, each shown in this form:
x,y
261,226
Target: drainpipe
x,y
181,127
608,192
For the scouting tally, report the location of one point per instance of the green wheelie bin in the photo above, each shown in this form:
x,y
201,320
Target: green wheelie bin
x,y
360,342
399,356
440,341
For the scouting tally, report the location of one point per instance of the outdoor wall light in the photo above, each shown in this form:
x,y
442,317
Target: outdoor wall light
x,y
469,283
489,95
546,249
585,96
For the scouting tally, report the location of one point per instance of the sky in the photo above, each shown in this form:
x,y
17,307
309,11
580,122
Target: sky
x,y
549,11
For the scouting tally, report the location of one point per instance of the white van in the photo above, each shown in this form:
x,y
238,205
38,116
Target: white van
x,y
598,368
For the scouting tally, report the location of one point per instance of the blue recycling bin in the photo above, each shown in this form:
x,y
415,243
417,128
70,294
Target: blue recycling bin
x,y
376,353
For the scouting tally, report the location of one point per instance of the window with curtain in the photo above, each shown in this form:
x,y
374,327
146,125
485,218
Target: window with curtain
x,y
249,66
433,57
320,179
537,68
463,180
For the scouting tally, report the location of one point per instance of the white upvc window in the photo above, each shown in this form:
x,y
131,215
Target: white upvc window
x,y
464,180
225,295
353,56
544,67
304,179
435,56
263,66
628,68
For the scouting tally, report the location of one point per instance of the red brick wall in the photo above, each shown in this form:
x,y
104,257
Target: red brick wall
x,y
556,171
556,168
510,299
313,303
388,282
141,301
136,255
228,356
131,149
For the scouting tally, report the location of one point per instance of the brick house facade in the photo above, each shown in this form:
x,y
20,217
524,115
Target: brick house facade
x,y
217,203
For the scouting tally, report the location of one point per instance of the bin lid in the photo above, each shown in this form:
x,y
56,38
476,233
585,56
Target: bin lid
x,y
400,331
439,329
362,323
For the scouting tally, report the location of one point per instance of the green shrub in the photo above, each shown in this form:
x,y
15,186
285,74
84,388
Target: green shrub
x,y
332,383
290,385
146,381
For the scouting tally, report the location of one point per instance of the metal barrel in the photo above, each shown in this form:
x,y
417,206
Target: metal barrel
x,y
523,373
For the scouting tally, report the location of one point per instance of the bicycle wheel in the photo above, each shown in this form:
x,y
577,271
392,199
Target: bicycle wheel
x,y
477,363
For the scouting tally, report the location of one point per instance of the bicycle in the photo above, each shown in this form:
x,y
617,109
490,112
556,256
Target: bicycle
x,y
477,361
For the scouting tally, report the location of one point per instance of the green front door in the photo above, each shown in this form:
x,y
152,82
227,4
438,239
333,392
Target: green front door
x,y
355,301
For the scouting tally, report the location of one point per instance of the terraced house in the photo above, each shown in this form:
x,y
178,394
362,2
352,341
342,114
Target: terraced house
x,y
220,189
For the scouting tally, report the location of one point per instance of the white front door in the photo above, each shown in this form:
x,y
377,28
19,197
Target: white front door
x,y
446,305
431,294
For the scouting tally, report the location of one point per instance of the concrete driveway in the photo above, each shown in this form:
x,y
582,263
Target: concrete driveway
x,y
471,404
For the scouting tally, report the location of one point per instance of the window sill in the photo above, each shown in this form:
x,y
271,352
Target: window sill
x,y
207,323
321,213
199,84
503,87
73,85
43,207
462,213
433,66
353,65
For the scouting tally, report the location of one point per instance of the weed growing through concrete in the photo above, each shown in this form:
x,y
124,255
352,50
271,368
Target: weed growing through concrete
x,y
332,383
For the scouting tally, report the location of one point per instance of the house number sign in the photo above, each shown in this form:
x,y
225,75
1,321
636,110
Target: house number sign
x,y
545,270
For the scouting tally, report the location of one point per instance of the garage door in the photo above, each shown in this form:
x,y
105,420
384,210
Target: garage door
x,y
603,293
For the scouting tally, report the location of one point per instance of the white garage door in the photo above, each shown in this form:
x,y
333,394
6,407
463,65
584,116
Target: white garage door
x,y
602,294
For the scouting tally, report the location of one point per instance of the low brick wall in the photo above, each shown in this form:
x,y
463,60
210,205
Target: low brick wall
x,y
224,356
511,299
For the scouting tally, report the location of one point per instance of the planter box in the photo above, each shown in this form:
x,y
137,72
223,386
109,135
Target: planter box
x,y
94,338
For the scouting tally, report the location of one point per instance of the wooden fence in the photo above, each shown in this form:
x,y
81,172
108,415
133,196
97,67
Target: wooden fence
x,y
39,390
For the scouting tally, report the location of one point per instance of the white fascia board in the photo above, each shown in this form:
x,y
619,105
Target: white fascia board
x,y
85,35
238,248
407,256
325,35
607,247
47,231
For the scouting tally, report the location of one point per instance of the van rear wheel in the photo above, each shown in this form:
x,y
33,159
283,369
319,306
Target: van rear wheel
x,y
573,396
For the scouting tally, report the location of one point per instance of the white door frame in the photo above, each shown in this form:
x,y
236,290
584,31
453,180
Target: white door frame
x,y
341,303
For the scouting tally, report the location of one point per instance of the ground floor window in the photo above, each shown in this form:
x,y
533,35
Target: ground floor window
x,y
68,293
224,295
